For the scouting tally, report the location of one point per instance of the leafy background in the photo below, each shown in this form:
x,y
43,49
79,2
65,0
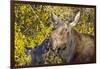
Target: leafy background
x,y
33,24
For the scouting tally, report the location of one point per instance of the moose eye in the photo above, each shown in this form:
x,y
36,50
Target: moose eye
x,y
46,41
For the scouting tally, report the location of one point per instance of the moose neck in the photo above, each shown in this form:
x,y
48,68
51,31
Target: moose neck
x,y
75,38
71,45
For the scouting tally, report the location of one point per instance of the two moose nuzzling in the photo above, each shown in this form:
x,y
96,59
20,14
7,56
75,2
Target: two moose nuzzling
x,y
64,41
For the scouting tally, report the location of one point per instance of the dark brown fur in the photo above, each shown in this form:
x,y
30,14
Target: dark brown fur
x,y
84,49
74,47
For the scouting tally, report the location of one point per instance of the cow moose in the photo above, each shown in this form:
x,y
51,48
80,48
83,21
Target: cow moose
x,y
72,46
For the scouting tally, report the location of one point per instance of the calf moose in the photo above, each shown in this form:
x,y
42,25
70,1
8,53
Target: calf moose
x,y
37,53
72,46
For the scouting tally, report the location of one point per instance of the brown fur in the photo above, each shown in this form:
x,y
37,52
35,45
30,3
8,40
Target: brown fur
x,y
74,47
85,49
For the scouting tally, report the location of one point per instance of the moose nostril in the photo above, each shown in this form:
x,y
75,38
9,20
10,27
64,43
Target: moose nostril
x,y
65,29
53,29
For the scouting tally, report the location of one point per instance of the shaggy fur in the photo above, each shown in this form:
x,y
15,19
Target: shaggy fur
x,y
73,47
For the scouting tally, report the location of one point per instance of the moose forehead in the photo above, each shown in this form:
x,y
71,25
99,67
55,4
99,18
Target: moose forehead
x,y
62,27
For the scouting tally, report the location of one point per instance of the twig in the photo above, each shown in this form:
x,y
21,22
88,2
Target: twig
x,y
35,14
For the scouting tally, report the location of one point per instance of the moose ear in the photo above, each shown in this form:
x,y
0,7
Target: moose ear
x,y
28,51
56,21
76,19
54,17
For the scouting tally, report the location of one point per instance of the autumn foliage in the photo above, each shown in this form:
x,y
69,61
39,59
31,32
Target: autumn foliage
x,y
33,24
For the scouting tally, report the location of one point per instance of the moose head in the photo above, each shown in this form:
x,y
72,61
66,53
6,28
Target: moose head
x,y
62,32
37,52
63,36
